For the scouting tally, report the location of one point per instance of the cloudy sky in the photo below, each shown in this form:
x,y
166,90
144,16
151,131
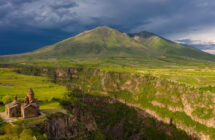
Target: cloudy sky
x,y
26,25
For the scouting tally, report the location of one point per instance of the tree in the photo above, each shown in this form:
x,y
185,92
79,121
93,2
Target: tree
x,y
7,99
13,129
26,134
42,137
99,136
27,137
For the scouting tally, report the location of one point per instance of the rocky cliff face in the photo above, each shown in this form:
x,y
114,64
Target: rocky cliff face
x,y
68,126
119,121
94,79
59,127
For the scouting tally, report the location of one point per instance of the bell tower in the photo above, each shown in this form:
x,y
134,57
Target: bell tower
x,y
30,95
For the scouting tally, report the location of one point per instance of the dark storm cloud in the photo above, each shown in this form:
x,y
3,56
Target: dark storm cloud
x,y
63,5
168,18
160,16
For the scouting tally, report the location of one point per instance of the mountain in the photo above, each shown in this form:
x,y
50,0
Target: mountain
x,y
168,48
100,42
106,45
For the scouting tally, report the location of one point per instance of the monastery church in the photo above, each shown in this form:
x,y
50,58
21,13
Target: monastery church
x,y
28,109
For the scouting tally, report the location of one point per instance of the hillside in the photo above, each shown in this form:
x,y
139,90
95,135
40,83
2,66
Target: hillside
x,y
100,42
168,48
104,45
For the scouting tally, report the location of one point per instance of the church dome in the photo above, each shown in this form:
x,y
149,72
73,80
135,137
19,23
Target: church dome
x,y
30,91
30,95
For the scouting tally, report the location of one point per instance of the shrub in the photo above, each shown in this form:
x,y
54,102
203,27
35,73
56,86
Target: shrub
x,y
42,137
13,129
7,99
98,135
4,137
26,134
27,137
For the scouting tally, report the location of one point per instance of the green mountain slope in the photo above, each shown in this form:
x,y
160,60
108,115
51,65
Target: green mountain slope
x,y
104,45
101,42
166,48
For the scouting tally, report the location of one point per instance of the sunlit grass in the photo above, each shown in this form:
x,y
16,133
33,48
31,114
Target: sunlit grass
x,y
50,105
193,77
13,84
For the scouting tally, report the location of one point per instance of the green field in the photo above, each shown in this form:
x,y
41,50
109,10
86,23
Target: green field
x,y
12,84
195,77
192,76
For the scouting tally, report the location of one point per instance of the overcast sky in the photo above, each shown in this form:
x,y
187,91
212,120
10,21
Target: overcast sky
x,y
29,24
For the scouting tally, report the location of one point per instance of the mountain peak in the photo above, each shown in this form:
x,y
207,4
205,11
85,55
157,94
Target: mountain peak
x,y
103,28
104,31
144,34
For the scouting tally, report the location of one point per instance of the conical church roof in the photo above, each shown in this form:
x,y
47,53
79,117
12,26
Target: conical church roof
x,y
30,91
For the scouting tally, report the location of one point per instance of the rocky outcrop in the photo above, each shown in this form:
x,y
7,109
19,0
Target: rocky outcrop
x,y
67,126
108,81
131,123
59,127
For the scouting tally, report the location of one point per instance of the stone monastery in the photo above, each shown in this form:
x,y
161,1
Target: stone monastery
x,y
28,109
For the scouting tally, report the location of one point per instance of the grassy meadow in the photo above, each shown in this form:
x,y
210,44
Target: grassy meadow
x,y
12,84
192,76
